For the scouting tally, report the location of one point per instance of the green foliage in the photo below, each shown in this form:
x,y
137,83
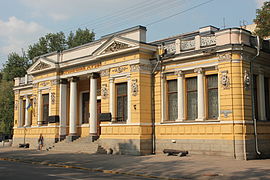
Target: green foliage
x,y
263,20
81,37
15,66
6,106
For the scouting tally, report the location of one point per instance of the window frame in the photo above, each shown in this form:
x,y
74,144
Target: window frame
x,y
123,101
207,95
186,98
48,105
168,93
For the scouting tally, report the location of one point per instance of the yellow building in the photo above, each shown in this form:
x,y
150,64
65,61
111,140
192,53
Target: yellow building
x,y
206,92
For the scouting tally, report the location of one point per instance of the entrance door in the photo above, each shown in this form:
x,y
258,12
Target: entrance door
x,y
98,112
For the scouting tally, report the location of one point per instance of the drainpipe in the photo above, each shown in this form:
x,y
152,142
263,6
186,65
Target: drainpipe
x,y
159,60
253,97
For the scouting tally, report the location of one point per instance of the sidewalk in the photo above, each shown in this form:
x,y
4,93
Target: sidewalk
x,y
158,166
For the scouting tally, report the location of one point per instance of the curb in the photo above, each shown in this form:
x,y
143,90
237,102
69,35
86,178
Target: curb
x,y
86,169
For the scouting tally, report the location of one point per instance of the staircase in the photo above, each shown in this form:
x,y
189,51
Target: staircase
x,y
81,145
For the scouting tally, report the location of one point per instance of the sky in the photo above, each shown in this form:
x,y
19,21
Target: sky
x,y
23,22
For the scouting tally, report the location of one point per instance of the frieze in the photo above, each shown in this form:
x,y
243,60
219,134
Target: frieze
x,y
187,44
44,83
55,82
225,57
120,69
104,91
140,68
134,87
41,66
84,68
35,85
115,46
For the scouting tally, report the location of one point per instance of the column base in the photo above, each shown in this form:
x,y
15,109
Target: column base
x,y
62,137
200,119
71,137
179,120
93,137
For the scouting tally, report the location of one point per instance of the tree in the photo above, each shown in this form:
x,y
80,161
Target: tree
x,y
15,66
81,37
263,20
6,107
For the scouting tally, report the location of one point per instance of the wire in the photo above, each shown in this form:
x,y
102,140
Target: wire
x,y
181,12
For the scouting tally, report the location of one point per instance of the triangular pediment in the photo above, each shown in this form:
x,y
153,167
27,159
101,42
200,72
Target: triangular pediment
x,y
115,45
41,65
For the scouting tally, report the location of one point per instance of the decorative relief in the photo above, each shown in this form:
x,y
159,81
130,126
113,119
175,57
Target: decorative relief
x,y
53,98
225,57
226,112
120,69
105,73
179,73
35,85
104,91
140,67
187,44
45,83
35,101
41,66
134,87
16,105
16,92
208,41
170,48
225,80
115,46
247,80
198,70
55,82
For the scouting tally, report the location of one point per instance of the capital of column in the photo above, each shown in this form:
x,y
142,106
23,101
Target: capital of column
x,y
198,70
74,79
179,73
63,81
111,80
94,75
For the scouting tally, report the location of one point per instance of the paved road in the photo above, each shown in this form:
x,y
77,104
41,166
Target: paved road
x,y
18,171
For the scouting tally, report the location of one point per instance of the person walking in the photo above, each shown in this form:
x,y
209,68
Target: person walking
x,y
40,142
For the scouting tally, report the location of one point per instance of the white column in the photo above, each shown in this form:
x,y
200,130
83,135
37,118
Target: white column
x,y
21,123
200,92
261,98
128,100
180,94
63,108
93,105
112,99
73,107
27,114
163,98
39,108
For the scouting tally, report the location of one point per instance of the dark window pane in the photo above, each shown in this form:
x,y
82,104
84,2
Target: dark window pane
x,y
192,105
85,108
173,106
267,105
172,86
45,98
212,84
121,90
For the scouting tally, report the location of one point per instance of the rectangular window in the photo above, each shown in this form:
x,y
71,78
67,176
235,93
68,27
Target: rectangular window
x,y
23,112
45,112
121,98
31,114
85,108
266,90
172,99
212,87
192,105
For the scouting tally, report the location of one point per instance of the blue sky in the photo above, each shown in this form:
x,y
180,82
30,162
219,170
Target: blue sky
x,y
22,22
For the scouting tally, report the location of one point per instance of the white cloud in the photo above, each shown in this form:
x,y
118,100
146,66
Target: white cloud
x,y
259,3
16,34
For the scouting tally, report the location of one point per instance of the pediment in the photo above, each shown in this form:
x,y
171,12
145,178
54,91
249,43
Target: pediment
x,y
115,45
40,66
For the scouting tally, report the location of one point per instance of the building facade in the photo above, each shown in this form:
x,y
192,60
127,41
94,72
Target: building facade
x,y
206,92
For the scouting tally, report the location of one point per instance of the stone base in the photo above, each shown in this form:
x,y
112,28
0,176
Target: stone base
x,y
71,138
62,137
93,138
130,146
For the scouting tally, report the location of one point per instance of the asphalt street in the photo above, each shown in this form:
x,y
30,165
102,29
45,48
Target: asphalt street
x,y
21,171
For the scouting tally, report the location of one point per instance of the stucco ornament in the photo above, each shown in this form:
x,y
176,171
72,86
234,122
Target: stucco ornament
x,y
104,91
53,98
16,105
225,80
134,87
41,66
115,46
247,80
